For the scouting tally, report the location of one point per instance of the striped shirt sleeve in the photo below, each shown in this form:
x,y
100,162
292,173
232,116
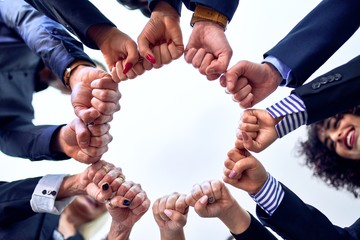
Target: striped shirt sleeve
x,y
270,196
293,109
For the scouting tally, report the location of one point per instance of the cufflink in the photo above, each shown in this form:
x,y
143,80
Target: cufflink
x,y
49,192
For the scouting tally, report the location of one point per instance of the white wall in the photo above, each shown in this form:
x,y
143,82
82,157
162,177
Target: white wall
x,y
175,127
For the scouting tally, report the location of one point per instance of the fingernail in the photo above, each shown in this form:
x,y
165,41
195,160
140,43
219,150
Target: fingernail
x,y
168,212
115,65
227,91
126,202
169,42
105,186
203,199
128,66
232,174
150,58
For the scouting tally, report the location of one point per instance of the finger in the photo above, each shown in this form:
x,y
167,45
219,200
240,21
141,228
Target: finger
x,y
248,101
117,202
216,187
157,55
85,158
176,45
140,203
98,130
207,190
144,49
219,65
165,54
86,114
189,55
103,119
198,57
180,204
162,207
105,83
82,133
111,176
208,58
116,183
242,94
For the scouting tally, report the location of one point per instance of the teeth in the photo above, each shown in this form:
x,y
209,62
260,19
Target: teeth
x,y
348,138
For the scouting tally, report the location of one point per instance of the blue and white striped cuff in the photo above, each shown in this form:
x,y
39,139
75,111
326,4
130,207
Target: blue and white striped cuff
x,y
270,195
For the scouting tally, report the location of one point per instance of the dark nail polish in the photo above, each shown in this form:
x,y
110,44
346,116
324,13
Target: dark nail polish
x,y
126,202
105,186
150,59
128,66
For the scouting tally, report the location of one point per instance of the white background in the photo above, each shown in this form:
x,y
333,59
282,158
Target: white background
x,y
175,127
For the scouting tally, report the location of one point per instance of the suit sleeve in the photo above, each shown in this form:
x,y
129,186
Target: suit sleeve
x,y
45,37
255,231
23,139
15,200
316,37
76,15
294,219
341,83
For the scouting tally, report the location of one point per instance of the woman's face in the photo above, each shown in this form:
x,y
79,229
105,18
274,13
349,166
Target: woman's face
x,y
341,135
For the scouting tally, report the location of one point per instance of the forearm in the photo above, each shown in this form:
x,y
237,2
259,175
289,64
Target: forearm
x,y
118,231
43,36
172,235
64,12
237,220
22,139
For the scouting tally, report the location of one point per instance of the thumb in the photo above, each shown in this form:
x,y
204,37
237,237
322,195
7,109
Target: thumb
x,y
82,133
144,49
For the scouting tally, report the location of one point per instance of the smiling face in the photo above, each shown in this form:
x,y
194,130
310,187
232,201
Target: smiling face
x,y
341,135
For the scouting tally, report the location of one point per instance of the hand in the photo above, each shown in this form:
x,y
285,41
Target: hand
x,y
208,49
244,171
250,82
170,213
105,99
127,205
119,51
82,98
257,130
213,199
163,34
84,144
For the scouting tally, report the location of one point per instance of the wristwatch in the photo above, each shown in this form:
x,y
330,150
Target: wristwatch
x,y
203,13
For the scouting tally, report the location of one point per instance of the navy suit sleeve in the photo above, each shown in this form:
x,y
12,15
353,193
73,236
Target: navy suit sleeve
x,y
227,8
341,83
294,219
316,37
76,15
45,37
255,231
15,200
23,139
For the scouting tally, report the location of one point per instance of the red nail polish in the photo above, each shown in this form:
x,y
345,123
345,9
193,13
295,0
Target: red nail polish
x,y
150,59
169,42
128,66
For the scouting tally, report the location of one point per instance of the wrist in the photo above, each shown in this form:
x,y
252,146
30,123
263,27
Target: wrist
x,y
70,187
166,234
275,75
118,231
236,219
203,13
71,70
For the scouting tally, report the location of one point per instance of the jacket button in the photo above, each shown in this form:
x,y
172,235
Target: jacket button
x,y
337,76
323,80
316,85
331,78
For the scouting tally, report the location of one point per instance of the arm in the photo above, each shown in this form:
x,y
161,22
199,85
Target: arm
x,y
43,36
213,199
293,216
64,12
306,58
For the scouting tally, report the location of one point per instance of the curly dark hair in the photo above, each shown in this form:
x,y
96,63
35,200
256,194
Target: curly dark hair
x,y
136,5
336,171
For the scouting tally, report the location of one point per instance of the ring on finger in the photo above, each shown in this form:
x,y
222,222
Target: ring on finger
x,y
120,179
108,202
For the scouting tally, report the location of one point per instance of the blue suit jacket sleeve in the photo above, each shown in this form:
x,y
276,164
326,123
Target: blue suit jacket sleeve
x,y
42,35
255,231
23,139
77,16
294,219
338,88
316,37
15,200
227,8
